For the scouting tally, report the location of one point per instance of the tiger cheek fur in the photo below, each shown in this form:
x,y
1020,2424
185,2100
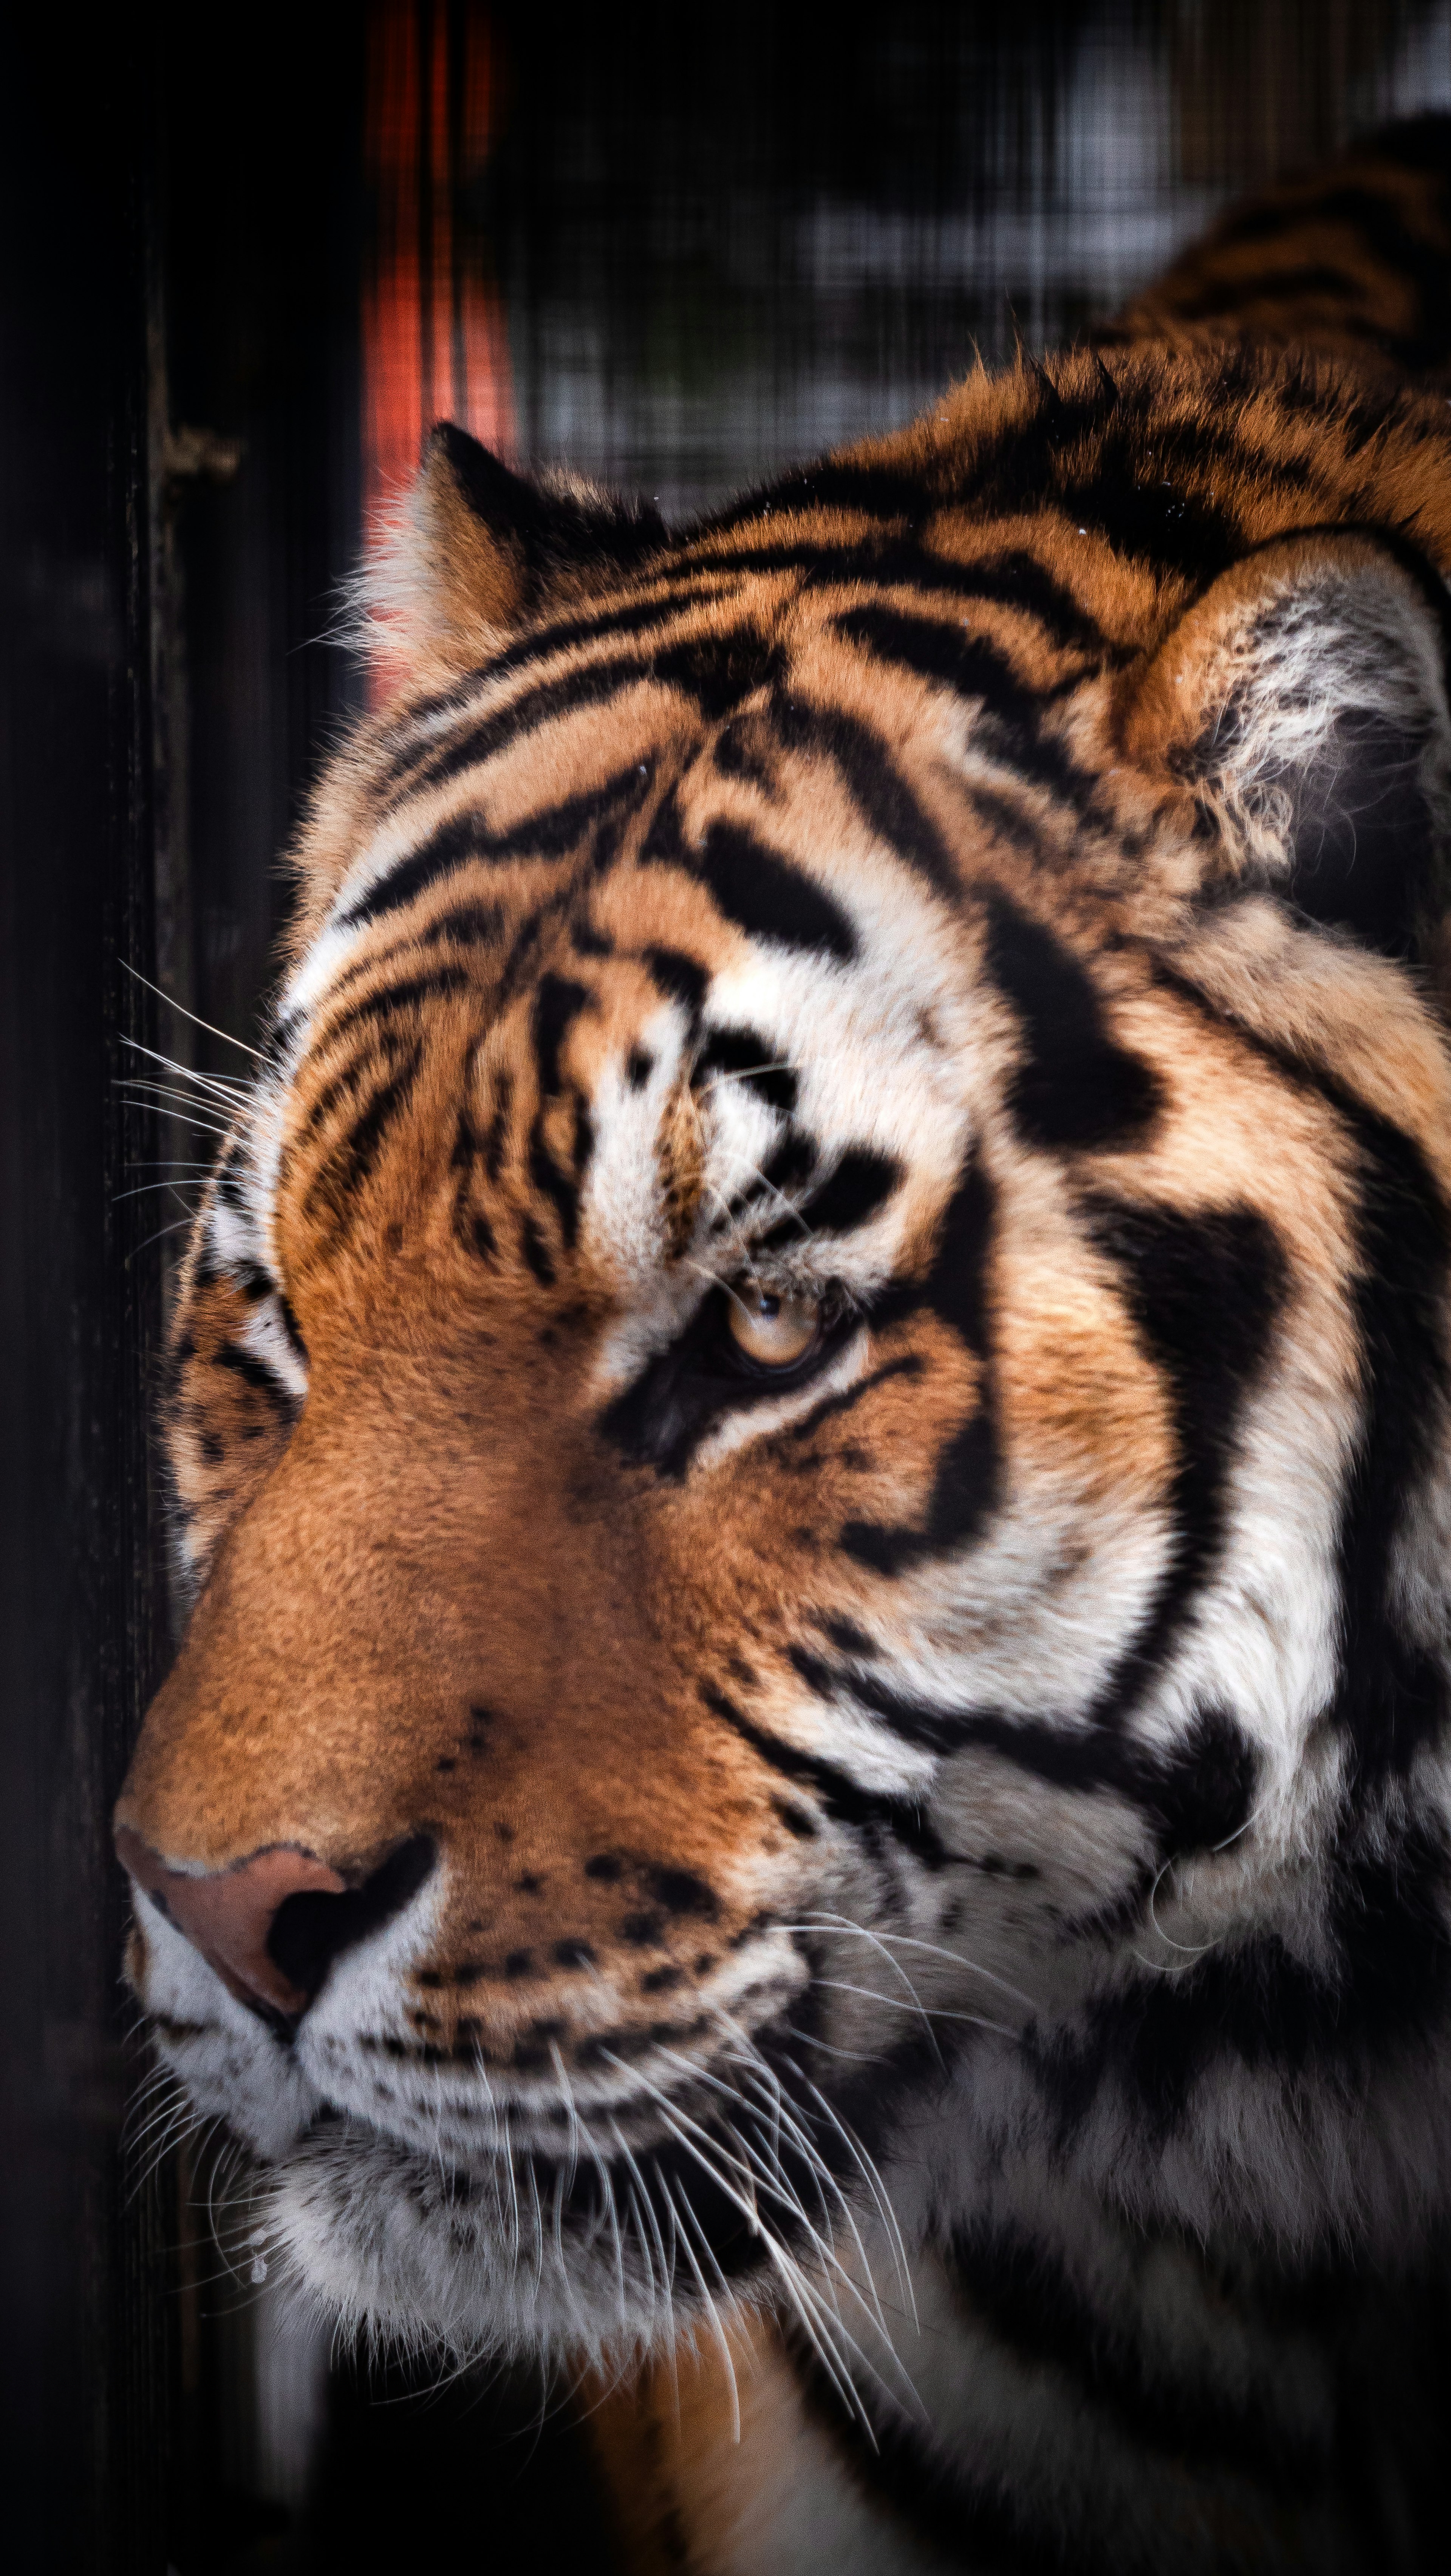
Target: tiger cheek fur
x,y
810,1425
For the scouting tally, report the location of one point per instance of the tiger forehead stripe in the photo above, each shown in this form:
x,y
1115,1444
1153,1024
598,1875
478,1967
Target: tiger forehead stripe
x,y
718,668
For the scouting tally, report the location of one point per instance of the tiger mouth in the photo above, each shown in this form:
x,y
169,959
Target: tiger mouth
x,y
713,2186
669,2208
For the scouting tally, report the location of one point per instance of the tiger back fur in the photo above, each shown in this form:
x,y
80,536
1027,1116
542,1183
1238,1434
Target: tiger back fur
x,y
811,1425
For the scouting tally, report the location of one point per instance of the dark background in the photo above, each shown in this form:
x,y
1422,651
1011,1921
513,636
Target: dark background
x,y
707,241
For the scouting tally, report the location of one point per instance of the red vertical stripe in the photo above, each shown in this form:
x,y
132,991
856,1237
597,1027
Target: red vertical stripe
x,y
435,346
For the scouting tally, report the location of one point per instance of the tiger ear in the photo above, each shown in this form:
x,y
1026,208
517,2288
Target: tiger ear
x,y
1301,704
480,548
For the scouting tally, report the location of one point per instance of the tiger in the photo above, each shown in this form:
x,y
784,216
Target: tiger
x,y
809,1419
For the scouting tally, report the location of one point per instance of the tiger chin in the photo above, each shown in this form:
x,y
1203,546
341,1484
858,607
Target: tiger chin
x,y
810,1427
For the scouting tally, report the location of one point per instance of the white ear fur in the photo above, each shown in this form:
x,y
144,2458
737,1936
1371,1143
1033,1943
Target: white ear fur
x,y
1302,702
476,549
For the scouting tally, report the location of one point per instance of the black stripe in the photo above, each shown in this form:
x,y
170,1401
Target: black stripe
x,y
594,685
558,1003
472,924
967,1478
665,844
792,1162
718,670
553,832
390,1044
852,1193
845,1635
877,788
1016,579
1003,819
558,1186
866,1811
1008,578
536,1251
682,979
768,897
399,737
747,1057
278,1041
1383,1988
973,666
256,1374
1194,1798
743,749
758,889
910,1364
497,1137
1011,579
395,997
348,1165
1392,1693
1073,1086
693,589
1204,1292
291,1328
1390,1697
1161,515
1372,214
461,1161
1017,2288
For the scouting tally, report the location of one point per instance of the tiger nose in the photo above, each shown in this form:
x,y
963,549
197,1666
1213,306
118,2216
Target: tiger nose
x,y
272,1925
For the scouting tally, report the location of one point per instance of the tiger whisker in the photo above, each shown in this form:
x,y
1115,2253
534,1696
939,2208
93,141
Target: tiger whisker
x,y
717,2329
927,2012
1189,1949
571,2114
221,1086
648,2224
508,2151
908,1941
743,1072
848,2056
143,1189
776,2184
894,1964
867,2168
160,1232
178,1105
774,2175
180,1008
533,2181
793,2281
183,1117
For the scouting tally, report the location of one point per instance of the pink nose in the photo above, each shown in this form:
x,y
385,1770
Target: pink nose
x,y
228,1914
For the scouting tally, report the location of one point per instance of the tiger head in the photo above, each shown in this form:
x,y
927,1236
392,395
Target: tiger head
x,y
809,1411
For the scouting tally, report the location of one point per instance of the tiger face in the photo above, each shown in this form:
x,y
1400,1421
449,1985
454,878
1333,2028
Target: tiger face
x,y
809,1402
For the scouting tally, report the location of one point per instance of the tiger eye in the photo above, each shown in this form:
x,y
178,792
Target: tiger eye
x,y
772,1330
